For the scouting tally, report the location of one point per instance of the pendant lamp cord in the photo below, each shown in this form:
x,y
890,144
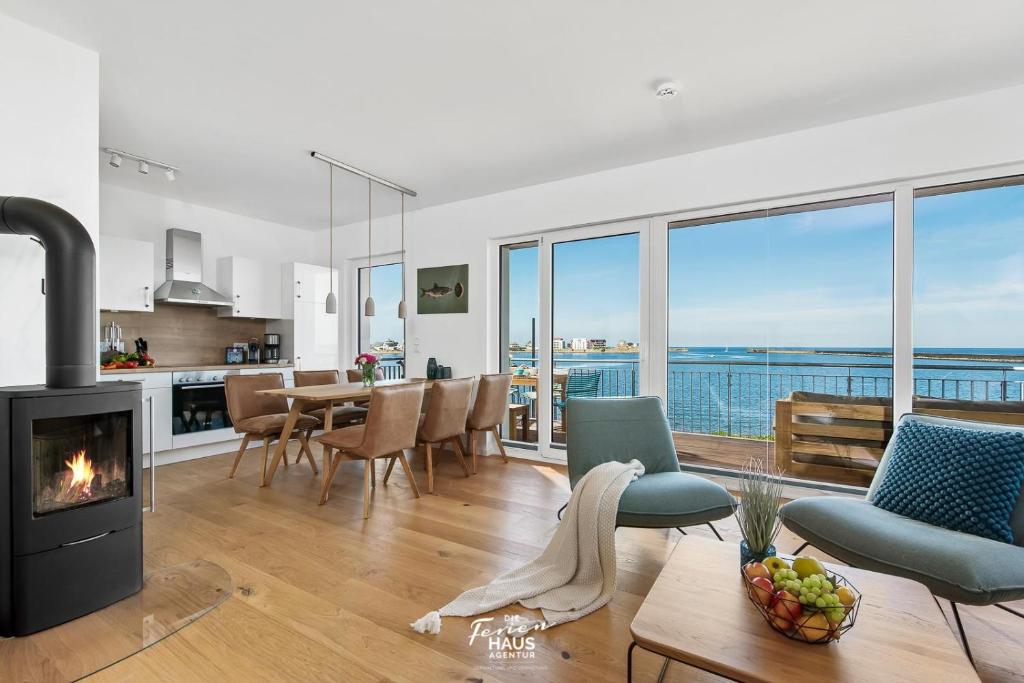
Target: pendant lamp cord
x,y
402,195
330,221
369,238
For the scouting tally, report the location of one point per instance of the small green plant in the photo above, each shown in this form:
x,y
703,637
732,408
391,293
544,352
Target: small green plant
x,y
760,499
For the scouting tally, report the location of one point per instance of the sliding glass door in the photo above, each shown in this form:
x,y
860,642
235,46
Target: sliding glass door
x,y
382,334
518,346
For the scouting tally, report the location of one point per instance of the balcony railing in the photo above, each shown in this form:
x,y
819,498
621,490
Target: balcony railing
x,y
393,368
738,398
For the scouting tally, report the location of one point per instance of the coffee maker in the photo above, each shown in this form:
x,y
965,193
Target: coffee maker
x,y
253,356
272,348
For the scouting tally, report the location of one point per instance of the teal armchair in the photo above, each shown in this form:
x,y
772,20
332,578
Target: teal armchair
x,y
957,566
600,430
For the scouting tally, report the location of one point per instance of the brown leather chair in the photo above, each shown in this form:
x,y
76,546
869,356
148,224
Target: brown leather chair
x,y
341,416
356,375
262,417
444,422
489,411
390,428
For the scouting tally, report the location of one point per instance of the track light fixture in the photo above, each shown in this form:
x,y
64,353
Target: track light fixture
x,y
117,156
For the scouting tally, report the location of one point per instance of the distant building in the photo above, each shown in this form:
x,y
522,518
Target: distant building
x,y
557,344
596,344
579,344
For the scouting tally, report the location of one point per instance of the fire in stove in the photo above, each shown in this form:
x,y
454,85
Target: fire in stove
x,y
79,486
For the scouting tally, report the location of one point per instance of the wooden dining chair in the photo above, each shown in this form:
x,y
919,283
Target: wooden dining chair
x,y
341,415
390,428
262,417
444,422
488,412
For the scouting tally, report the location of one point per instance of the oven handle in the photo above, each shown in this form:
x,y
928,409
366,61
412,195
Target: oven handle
x,y
199,386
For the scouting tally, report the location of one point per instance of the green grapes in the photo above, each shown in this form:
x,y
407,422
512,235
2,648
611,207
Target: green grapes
x,y
786,579
816,592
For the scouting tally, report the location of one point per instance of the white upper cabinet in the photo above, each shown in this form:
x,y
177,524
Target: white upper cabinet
x,y
315,337
306,283
126,274
253,286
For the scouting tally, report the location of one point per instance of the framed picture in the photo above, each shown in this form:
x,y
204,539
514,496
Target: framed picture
x,y
442,290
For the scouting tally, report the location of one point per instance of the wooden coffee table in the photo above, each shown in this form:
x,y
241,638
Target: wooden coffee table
x,y
697,613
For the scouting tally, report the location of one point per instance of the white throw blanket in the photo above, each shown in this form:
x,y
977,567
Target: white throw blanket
x,y
575,574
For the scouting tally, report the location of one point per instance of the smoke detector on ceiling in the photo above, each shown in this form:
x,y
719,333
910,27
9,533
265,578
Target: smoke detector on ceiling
x,y
666,91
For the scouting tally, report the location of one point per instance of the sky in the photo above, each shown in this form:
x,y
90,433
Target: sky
x,y
387,292
815,278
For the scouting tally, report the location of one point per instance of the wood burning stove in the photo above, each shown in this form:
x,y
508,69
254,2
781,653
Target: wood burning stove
x,y
70,453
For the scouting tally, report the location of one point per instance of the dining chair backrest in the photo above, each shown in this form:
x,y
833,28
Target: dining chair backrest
x,y
392,420
356,375
243,401
313,378
448,410
582,383
491,401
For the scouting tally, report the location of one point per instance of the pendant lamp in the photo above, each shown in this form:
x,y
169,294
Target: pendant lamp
x,y
369,308
332,299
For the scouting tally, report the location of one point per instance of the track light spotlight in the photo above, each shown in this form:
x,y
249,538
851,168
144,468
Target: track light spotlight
x,y
115,160
170,174
143,168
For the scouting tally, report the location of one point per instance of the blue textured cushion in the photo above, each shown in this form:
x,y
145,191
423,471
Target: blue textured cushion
x,y
961,479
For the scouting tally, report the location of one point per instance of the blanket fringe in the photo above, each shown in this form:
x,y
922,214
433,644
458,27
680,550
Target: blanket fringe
x,y
428,623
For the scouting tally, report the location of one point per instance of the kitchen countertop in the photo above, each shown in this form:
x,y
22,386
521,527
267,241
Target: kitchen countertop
x,y
188,368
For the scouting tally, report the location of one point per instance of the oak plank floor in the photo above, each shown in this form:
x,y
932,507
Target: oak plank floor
x,y
322,595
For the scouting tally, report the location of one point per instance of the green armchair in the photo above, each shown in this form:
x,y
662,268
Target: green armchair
x,y
959,567
600,430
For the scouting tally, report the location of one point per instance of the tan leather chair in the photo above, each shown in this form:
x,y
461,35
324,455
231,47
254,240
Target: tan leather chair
x,y
390,428
356,375
341,416
262,417
444,422
489,411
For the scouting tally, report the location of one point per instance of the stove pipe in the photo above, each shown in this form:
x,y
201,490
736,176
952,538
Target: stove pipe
x,y
70,287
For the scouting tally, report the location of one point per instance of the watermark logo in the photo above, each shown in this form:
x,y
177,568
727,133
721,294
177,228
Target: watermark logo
x,y
510,639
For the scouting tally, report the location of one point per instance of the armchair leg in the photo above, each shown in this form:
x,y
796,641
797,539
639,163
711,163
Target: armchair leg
x,y
391,466
561,510
1010,610
681,531
963,635
715,531
797,551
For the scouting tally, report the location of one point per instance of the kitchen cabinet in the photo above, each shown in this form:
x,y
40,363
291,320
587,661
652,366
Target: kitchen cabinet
x,y
306,283
253,286
310,338
161,416
126,274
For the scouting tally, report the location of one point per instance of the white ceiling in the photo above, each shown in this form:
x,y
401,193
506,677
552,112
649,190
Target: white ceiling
x,y
460,98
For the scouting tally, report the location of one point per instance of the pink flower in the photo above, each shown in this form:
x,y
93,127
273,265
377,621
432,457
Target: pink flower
x,y
366,359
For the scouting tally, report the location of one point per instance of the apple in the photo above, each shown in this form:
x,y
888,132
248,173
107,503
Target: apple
x,y
774,564
785,605
752,570
782,624
763,590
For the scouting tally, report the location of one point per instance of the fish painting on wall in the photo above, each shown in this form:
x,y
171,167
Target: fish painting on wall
x,y
442,290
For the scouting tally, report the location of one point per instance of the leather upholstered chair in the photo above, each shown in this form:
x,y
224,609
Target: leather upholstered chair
x,y
390,428
262,417
488,412
341,416
355,376
444,422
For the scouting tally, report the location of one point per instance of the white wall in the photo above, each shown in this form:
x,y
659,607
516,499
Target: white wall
x,y
143,216
949,136
49,127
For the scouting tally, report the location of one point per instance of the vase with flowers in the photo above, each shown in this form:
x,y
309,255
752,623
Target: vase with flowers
x,y
758,512
367,363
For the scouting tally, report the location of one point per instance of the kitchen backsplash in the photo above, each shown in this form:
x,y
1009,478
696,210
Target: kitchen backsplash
x,y
183,335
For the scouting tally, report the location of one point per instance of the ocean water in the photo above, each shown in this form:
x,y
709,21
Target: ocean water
x,y
732,390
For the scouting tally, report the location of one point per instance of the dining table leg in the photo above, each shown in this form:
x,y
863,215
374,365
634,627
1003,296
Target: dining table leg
x,y
325,483
282,442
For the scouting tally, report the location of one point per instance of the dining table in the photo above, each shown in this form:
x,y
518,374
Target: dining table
x,y
323,396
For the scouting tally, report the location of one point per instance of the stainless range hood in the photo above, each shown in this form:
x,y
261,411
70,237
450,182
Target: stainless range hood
x,y
185,272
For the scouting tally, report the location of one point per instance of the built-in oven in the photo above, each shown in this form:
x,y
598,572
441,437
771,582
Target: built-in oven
x,y
198,403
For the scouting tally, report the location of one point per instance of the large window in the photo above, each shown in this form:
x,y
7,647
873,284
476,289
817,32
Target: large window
x,y
969,298
780,326
519,349
383,334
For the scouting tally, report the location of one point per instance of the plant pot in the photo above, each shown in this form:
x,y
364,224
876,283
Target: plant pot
x,y
746,555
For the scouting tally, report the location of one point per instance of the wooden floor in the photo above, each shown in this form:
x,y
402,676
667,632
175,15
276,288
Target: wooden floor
x,y
322,595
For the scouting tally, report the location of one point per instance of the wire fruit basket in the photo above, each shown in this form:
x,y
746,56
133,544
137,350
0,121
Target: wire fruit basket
x,y
810,623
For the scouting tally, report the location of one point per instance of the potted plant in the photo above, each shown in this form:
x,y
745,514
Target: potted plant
x,y
758,511
367,363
